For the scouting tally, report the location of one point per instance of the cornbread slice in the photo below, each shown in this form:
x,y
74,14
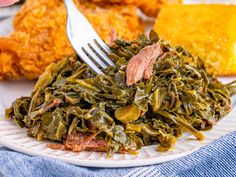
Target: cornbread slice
x,y
208,31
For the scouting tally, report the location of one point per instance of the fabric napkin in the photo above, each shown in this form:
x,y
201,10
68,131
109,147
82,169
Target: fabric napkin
x,y
215,159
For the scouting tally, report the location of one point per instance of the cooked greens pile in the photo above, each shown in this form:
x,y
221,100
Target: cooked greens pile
x,y
180,96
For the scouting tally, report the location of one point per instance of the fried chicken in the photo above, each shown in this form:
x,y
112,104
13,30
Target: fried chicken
x,y
152,7
40,37
149,7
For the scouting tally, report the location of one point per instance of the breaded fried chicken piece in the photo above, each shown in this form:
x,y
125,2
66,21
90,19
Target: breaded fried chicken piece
x,y
152,7
8,66
41,37
149,7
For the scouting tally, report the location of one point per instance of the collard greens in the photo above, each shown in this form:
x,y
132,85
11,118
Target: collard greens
x,y
180,96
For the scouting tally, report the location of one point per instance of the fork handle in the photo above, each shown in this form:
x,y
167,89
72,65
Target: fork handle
x,y
75,16
72,10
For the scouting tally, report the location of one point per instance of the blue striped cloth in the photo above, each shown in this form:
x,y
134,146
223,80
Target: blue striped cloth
x,y
215,159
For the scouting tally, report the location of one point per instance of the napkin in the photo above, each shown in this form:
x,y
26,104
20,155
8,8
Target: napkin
x,y
216,159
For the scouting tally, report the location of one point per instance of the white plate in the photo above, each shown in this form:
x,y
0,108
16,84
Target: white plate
x,y
8,11
6,26
15,138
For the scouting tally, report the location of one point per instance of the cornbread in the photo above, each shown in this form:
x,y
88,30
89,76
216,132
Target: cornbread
x,y
208,31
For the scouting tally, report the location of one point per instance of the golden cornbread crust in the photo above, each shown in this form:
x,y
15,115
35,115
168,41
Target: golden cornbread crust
x,y
208,31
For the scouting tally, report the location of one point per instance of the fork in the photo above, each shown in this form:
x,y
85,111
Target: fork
x,y
85,41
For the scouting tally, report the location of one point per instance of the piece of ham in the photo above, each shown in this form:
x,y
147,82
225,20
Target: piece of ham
x,y
7,2
141,65
81,141
55,103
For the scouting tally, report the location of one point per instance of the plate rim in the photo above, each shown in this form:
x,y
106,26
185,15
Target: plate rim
x,y
101,163
9,142
97,163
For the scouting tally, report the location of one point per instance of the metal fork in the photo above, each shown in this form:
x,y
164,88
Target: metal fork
x,y
85,41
